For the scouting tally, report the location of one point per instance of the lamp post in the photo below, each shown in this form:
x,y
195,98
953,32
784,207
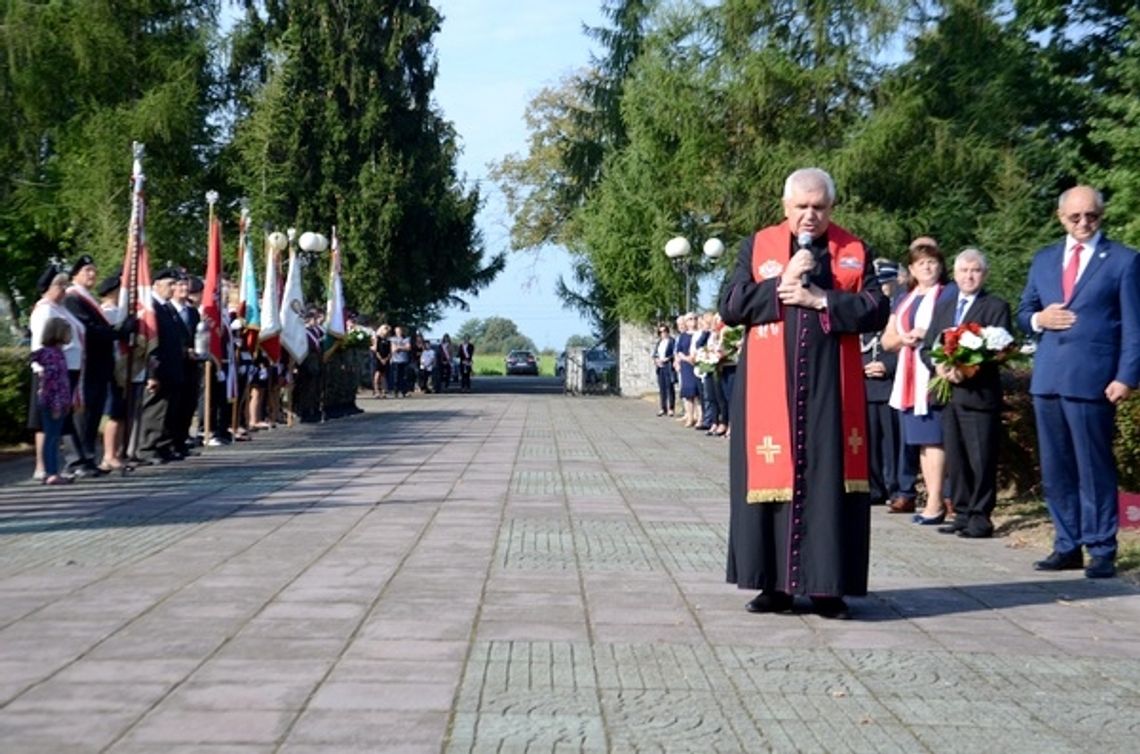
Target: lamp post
x,y
679,251
312,244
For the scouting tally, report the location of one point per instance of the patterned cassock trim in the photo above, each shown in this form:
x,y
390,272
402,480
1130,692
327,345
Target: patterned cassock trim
x,y
770,496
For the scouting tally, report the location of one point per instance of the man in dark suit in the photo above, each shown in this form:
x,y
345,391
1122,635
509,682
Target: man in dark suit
x,y
1082,301
186,403
971,422
165,375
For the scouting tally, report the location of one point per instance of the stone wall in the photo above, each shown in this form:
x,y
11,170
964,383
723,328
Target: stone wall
x,y
636,374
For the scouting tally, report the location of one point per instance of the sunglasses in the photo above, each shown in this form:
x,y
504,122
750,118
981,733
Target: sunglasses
x,y
1089,217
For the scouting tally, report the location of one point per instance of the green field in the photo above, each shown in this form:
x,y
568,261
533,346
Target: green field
x,y
490,364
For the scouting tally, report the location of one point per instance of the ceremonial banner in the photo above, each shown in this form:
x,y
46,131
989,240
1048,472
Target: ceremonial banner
x,y
212,306
334,313
249,307
134,290
269,314
292,320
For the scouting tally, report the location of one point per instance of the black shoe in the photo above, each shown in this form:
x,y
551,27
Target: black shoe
x,y
1100,568
140,461
975,534
1061,561
832,608
87,469
951,529
770,602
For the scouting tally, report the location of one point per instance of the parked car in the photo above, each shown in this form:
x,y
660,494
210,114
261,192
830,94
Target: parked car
x,y
598,363
521,362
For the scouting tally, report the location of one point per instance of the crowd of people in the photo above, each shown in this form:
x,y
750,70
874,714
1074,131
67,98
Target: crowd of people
x,y
696,362
401,364
95,377
834,411
818,364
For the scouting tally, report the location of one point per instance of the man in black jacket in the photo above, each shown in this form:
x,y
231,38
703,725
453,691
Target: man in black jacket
x,y
971,422
186,404
99,341
165,374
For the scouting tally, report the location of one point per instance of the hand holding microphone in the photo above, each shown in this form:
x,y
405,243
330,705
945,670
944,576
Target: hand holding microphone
x,y
796,288
803,244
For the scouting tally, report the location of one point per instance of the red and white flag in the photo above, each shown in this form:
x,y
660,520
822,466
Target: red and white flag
x,y
134,289
213,311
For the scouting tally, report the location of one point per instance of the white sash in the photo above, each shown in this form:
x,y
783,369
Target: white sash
x,y
908,356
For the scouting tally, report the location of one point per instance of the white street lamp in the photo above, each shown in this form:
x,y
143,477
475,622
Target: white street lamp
x,y
679,252
313,243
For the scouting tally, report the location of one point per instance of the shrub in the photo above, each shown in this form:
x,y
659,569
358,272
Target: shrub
x,y
1019,473
1128,444
15,384
1019,470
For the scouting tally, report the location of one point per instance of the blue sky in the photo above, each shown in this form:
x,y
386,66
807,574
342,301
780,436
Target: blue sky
x,y
494,56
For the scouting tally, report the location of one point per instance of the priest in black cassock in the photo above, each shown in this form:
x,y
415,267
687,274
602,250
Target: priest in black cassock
x,y
800,510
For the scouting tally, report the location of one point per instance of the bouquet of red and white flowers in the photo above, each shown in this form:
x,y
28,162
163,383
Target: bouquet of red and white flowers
x,y
967,348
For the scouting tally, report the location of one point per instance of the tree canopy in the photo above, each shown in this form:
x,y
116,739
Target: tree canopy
x,y
494,335
961,119
320,114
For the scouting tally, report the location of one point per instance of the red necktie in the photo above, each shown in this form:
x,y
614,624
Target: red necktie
x,y
1069,278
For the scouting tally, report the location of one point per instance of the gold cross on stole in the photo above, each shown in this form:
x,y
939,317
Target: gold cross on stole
x,y
769,450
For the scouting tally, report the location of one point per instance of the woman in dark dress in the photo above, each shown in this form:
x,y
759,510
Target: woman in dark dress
x,y
920,416
690,383
381,358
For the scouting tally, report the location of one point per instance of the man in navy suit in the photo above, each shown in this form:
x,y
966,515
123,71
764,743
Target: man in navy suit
x,y
1083,302
971,421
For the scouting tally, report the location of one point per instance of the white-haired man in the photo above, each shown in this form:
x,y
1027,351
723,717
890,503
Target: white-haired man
x,y
800,510
971,421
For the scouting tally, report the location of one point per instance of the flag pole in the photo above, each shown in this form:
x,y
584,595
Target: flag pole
x,y
208,403
134,244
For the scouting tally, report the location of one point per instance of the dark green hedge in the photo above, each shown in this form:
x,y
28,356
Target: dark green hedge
x,y
1019,473
15,378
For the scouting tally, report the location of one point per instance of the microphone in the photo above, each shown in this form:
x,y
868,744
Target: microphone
x,y
803,241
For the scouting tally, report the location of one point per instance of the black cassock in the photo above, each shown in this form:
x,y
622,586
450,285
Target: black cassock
x,y
817,543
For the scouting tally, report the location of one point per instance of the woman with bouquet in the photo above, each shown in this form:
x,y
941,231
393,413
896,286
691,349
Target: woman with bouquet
x,y
921,419
968,336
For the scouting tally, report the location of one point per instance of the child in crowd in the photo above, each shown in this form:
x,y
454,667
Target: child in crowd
x,y
53,398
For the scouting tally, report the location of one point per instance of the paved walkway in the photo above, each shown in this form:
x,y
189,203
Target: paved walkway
x,y
515,573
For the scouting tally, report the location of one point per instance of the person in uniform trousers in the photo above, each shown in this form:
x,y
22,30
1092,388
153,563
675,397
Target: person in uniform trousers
x,y
883,438
165,375
187,400
971,421
1082,302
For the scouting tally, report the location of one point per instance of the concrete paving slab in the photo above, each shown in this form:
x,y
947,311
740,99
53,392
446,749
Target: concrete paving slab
x,y
514,573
